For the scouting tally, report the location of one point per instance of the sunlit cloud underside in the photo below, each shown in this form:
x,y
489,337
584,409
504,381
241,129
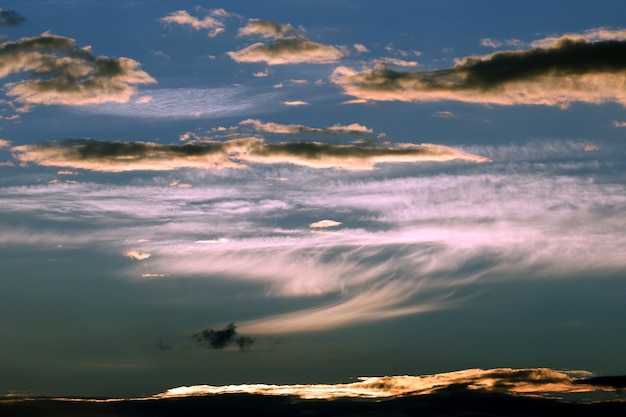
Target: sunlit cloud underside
x,y
537,380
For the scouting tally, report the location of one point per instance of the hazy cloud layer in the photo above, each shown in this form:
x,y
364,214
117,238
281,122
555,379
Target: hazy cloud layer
x,y
62,73
567,70
135,156
287,46
412,237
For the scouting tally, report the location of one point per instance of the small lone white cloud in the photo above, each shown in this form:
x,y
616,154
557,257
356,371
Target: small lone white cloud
x,y
136,255
323,224
295,103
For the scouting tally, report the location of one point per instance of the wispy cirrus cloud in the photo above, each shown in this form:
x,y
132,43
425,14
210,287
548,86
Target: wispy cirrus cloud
x,y
587,68
236,153
62,73
188,103
287,46
531,214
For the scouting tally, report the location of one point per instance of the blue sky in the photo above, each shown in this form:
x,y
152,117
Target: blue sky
x,y
363,188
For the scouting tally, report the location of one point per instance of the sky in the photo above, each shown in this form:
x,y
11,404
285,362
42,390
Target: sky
x,y
310,192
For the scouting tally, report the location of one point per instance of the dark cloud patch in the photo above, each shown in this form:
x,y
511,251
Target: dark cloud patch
x,y
220,339
10,18
572,69
616,382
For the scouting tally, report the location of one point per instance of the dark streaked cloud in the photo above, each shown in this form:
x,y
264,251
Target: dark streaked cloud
x,y
10,18
236,153
220,339
570,69
288,46
62,73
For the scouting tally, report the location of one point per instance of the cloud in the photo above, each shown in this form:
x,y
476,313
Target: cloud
x,y
132,156
220,339
268,30
360,48
288,46
5,143
322,224
397,62
136,255
619,124
570,69
295,103
445,114
528,380
209,22
532,214
136,156
62,73
353,128
492,43
10,18
591,35
189,103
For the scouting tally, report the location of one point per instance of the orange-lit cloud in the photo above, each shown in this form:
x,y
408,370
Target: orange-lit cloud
x,y
568,69
67,74
5,143
287,46
135,156
136,255
529,380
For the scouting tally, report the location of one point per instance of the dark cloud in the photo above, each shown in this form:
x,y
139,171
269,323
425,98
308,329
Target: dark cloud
x,y
10,18
220,339
236,153
62,73
571,69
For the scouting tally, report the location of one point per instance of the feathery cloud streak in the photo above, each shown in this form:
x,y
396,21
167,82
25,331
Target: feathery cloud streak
x,y
236,153
62,73
570,69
